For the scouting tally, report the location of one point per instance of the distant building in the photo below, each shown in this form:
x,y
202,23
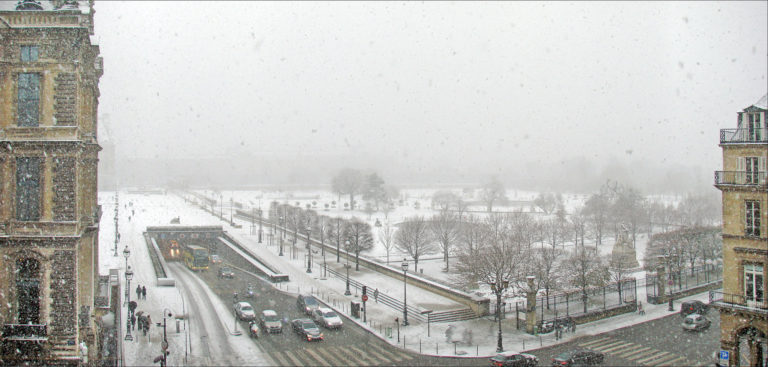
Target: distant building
x,y
743,304
49,213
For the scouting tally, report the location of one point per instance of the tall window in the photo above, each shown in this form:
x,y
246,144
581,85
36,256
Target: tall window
x,y
753,283
29,99
29,53
754,131
28,290
753,218
28,189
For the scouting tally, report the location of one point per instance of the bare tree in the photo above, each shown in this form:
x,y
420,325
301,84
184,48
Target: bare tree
x,y
627,207
387,238
348,182
596,211
360,238
413,237
444,228
499,263
334,228
543,264
492,192
585,270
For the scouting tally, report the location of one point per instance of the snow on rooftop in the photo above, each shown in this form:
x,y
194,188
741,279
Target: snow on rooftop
x,y
46,5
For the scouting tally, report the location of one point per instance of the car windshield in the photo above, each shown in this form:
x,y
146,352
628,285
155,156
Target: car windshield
x,y
309,325
330,314
225,269
310,301
246,308
271,318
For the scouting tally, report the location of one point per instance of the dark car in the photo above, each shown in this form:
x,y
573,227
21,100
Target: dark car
x,y
226,272
307,304
307,329
512,359
689,307
578,357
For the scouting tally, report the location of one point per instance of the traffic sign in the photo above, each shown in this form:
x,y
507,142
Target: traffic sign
x,y
725,355
365,297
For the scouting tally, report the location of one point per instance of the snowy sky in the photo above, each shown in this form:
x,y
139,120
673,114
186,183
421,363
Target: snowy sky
x,y
461,84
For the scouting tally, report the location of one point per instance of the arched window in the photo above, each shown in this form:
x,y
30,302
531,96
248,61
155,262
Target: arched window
x,y
28,290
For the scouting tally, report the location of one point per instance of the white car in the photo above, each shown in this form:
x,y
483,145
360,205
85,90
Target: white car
x,y
245,311
695,321
327,317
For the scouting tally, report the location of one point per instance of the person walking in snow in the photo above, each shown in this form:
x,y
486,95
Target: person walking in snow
x,y
133,322
138,292
148,324
143,292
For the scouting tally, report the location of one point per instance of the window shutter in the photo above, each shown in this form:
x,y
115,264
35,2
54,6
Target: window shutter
x,y
741,166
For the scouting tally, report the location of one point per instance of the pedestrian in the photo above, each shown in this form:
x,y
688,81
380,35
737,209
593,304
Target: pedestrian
x,y
143,292
149,323
142,321
132,307
133,322
138,292
559,332
573,327
376,295
640,308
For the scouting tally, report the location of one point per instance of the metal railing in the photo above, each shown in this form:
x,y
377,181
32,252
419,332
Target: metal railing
x,y
740,178
25,331
684,279
739,301
743,135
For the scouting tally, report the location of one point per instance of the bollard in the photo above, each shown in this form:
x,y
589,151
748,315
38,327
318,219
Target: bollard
x,y
178,326
477,349
540,342
437,348
419,345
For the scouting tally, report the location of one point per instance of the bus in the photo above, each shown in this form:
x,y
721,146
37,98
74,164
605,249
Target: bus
x,y
196,257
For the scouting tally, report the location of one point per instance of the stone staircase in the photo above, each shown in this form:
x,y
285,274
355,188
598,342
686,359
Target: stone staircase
x,y
60,347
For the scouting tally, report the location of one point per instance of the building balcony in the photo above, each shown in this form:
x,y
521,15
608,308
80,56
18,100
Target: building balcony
x,y
25,332
738,302
743,136
740,178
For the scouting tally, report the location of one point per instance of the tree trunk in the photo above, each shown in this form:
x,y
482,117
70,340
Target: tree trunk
x,y
357,260
351,201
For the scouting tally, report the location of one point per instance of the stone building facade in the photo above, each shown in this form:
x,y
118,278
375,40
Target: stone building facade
x,y
49,213
742,304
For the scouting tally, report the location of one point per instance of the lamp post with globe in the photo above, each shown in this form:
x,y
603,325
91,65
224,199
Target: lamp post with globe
x,y
405,292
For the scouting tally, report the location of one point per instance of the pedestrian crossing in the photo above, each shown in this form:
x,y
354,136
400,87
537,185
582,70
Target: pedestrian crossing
x,y
636,353
351,355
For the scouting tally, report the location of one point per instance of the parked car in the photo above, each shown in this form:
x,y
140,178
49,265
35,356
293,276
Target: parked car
x,y
226,272
327,317
689,307
513,359
695,322
307,329
215,259
550,325
578,357
245,311
270,322
307,304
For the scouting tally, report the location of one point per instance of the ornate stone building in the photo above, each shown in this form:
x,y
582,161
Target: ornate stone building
x,y
742,303
49,214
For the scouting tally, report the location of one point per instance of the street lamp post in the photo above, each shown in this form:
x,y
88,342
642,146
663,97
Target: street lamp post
x,y
231,208
127,253
405,293
117,233
346,266
164,344
309,248
128,277
260,225
283,236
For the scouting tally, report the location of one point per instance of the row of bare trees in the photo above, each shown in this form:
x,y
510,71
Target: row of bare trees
x,y
353,234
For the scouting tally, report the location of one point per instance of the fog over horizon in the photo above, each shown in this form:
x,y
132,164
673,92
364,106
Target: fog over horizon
x,y
548,95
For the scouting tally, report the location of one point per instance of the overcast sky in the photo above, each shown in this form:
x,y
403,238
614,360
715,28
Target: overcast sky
x,y
459,84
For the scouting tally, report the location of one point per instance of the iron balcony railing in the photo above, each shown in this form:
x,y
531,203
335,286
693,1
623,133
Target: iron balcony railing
x,y
743,136
31,332
739,301
742,178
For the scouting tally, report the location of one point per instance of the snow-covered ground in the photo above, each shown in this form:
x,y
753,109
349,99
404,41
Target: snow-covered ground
x,y
138,211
